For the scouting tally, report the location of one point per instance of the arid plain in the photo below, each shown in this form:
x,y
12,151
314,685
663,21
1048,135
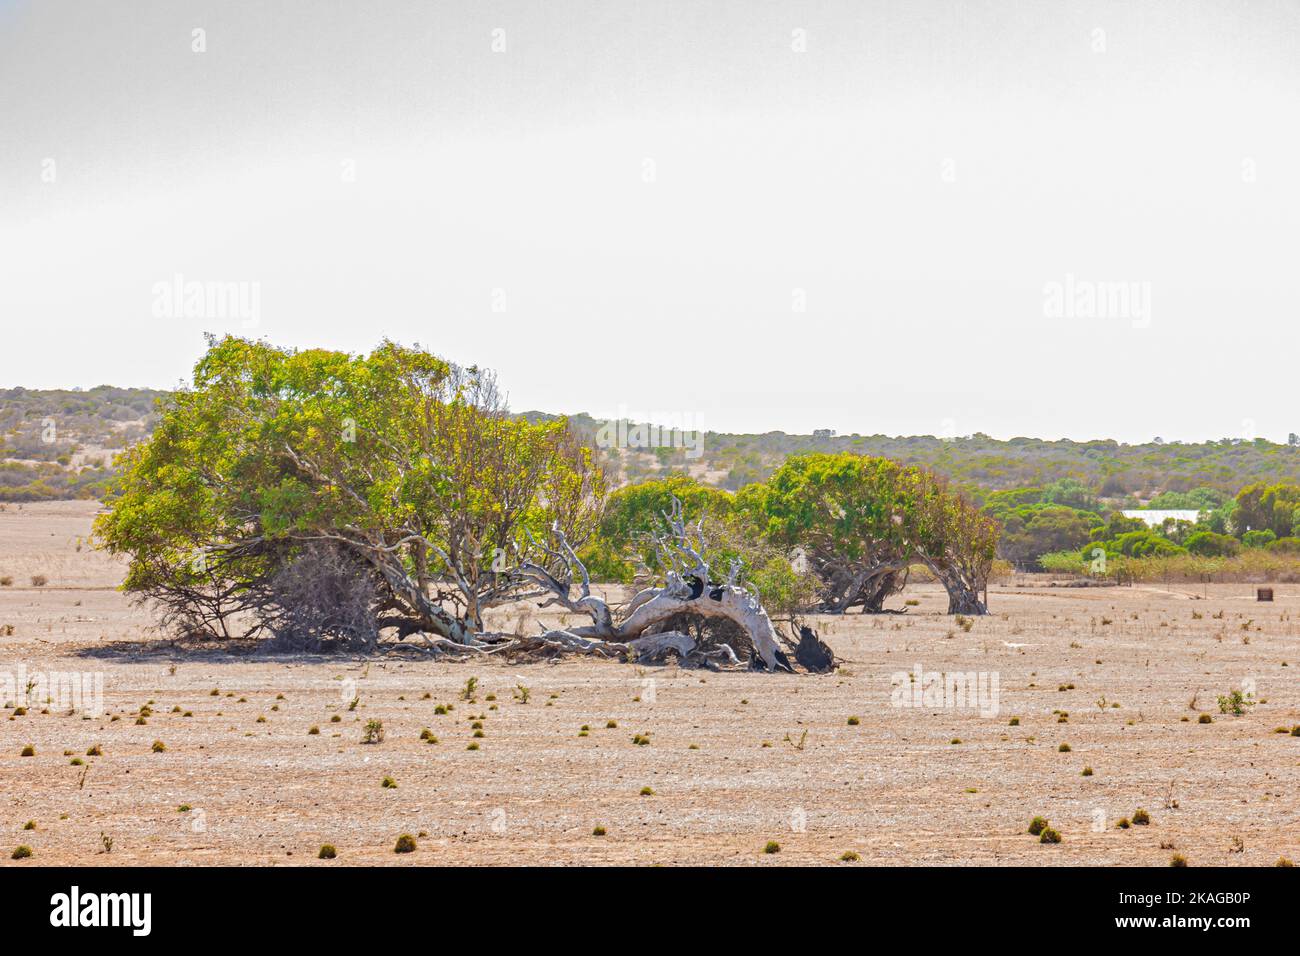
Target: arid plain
x,y
734,760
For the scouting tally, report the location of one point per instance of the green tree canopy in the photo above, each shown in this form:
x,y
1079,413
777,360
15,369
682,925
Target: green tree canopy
x,y
406,469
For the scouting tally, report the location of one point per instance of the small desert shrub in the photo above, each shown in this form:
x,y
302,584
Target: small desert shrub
x,y
772,847
1064,748
374,732
1234,703
598,831
39,580
158,747
77,762
426,734
1086,772
912,602
95,751
405,844
472,746
1014,722
313,731
1283,861
854,721
1049,836
955,741
440,710
6,581
336,719
388,783
29,751
611,724
1141,818
21,853
641,740
327,852
1122,823
964,622
1205,719
848,856
1037,825
647,791
29,825
184,808
1178,860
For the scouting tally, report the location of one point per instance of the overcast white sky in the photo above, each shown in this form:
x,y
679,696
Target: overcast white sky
x,y
917,177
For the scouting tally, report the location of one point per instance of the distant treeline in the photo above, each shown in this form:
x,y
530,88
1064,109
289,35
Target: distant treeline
x,y
1124,475
90,425
59,443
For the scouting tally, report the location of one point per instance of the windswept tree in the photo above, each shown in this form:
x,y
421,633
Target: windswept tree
x,y
862,522
396,468
847,514
954,539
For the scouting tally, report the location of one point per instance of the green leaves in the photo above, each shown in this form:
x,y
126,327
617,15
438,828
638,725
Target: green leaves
x,y
272,448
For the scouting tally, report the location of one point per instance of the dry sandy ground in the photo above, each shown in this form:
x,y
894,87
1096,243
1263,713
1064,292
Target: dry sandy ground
x,y
896,788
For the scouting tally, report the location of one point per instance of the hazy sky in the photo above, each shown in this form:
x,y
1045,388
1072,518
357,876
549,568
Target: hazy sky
x,y
741,215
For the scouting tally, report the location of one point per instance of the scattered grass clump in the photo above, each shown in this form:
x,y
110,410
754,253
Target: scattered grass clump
x,y
327,852
374,732
1141,818
21,852
772,847
854,721
405,844
1037,825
